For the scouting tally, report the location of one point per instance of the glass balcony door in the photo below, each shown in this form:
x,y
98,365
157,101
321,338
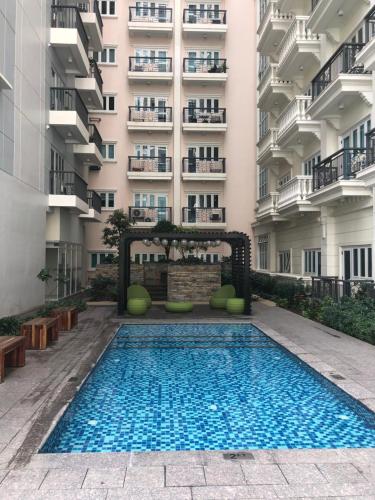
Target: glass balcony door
x,y
201,153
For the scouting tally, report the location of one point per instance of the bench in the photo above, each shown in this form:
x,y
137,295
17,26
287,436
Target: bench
x,y
67,317
39,332
12,353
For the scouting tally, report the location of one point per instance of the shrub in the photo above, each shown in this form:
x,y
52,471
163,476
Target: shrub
x,y
10,325
273,288
103,288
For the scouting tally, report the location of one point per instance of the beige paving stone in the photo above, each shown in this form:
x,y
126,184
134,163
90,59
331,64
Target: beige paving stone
x,y
263,474
149,477
185,476
224,474
341,473
232,492
3,473
63,479
302,473
141,493
22,480
104,478
325,490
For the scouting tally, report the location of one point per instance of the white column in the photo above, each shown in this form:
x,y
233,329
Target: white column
x,y
177,111
330,254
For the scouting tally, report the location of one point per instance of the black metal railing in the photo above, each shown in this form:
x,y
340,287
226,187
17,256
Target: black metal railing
x,y
205,215
67,183
370,25
62,99
342,61
204,65
370,142
95,136
150,164
98,15
203,165
326,286
150,14
94,201
205,16
150,64
65,16
92,6
150,114
150,214
343,164
204,115
314,4
96,73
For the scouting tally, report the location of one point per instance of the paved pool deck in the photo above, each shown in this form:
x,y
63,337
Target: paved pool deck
x,y
32,399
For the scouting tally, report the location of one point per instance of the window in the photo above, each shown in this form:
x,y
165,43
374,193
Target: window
x,y
263,4
263,124
210,258
284,179
108,151
356,136
313,262
263,66
357,263
263,251
106,56
284,262
108,199
140,258
310,163
108,7
99,258
263,183
109,102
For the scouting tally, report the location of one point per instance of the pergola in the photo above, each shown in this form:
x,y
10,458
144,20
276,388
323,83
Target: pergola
x,y
241,259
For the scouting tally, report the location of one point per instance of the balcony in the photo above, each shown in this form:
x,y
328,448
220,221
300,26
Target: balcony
x,y
334,178
93,23
268,208
150,118
149,20
293,196
150,69
203,169
95,207
68,115
366,57
300,48
270,153
69,39
204,218
149,216
68,190
274,91
151,168
207,70
91,88
295,126
272,28
90,153
341,83
206,22
204,120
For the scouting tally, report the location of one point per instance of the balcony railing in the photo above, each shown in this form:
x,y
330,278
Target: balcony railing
x,y
297,32
150,64
150,164
65,16
92,6
150,114
370,142
204,65
342,165
94,201
203,215
294,112
95,136
150,14
296,190
272,12
62,99
204,115
343,61
67,183
314,4
326,286
268,205
96,73
203,165
150,214
205,16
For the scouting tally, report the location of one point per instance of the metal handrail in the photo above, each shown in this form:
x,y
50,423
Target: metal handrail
x,y
150,114
150,14
150,64
68,183
150,214
204,16
68,99
204,65
209,165
204,115
210,215
149,164
68,16
94,201
95,136
96,73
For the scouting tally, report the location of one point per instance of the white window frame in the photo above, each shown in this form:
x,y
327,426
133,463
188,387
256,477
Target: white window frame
x,y
105,146
263,252
107,193
141,258
263,183
284,261
106,50
106,253
312,259
109,4
356,255
310,163
106,96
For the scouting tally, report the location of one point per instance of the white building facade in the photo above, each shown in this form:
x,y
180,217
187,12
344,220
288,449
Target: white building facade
x,y
315,209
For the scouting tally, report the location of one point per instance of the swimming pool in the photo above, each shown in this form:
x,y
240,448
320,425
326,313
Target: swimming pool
x,y
206,387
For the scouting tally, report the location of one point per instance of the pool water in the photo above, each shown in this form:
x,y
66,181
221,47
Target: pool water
x,y
206,387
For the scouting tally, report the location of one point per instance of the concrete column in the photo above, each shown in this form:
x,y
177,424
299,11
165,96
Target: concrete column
x,y
272,243
177,111
330,254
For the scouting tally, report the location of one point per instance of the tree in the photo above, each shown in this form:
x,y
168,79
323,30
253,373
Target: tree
x,y
117,225
164,226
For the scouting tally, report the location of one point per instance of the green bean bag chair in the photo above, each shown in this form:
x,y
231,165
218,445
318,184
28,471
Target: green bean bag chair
x,y
179,307
220,297
236,306
137,307
139,292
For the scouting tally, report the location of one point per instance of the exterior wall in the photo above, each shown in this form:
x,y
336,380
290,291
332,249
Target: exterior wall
x,y
185,283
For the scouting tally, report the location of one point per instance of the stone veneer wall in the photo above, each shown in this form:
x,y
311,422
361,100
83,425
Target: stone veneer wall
x,y
193,283
111,271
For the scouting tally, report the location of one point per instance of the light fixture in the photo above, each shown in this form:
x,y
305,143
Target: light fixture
x,y
174,243
184,243
164,243
341,106
156,241
340,12
191,244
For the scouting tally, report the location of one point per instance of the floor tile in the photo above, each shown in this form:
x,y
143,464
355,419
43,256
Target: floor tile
x,y
26,479
185,476
148,477
302,473
341,473
64,479
263,474
104,478
230,475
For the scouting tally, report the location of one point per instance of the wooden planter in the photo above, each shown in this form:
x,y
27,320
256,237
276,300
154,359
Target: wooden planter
x,y
40,332
67,317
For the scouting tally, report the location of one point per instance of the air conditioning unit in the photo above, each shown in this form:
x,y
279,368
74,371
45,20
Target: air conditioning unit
x,y
138,213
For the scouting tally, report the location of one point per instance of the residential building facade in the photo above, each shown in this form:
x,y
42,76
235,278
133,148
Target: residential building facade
x,y
315,208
